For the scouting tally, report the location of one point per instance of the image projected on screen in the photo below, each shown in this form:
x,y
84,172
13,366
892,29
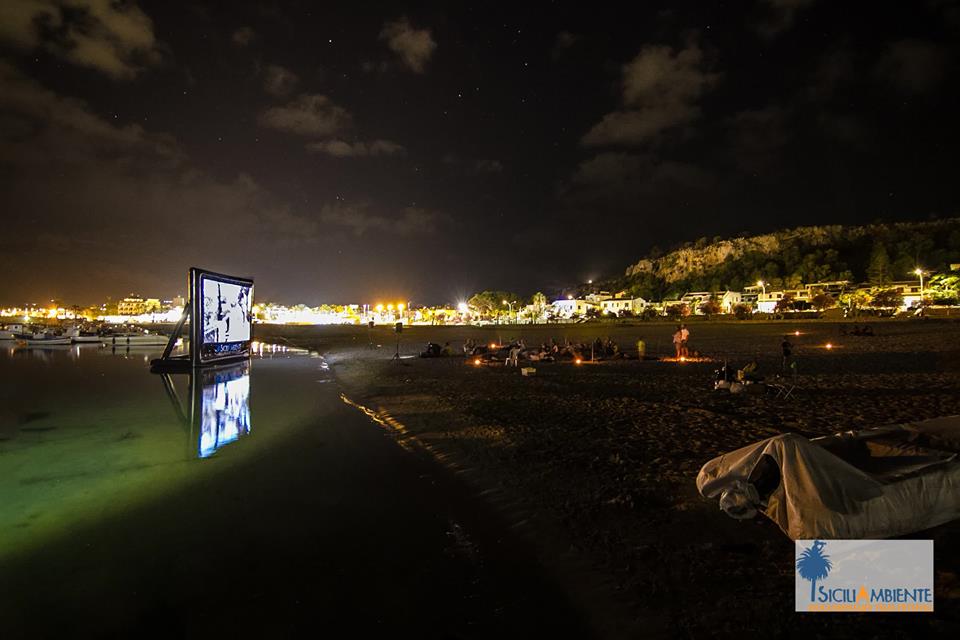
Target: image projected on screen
x,y
226,312
224,409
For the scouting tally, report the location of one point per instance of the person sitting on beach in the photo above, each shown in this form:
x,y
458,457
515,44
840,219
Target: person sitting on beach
x,y
684,339
468,347
749,373
447,349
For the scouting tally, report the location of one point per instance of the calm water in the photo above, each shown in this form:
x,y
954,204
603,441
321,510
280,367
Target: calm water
x,y
248,499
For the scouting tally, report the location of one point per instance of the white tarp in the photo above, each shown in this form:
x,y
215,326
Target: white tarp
x,y
907,479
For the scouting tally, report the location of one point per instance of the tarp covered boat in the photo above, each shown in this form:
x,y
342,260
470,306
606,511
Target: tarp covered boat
x,y
873,483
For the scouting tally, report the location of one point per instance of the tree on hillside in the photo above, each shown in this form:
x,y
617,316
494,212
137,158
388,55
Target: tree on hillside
x,y
742,311
886,299
786,303
710,307
822,300
539,302
878,269
491,303
675,311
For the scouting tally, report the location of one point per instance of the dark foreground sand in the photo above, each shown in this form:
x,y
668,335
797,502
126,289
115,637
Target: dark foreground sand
x,y
597,462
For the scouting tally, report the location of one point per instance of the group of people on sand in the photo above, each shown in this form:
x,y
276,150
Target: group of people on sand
x,y
681,337
515,351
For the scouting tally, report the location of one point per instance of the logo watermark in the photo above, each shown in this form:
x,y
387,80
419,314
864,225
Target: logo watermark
x,y
864,575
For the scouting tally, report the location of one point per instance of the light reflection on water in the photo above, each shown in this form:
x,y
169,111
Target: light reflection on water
x,y
224,407
86,429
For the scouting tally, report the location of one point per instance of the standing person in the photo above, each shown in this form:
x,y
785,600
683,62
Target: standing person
x,y
787,350
684,337
678,341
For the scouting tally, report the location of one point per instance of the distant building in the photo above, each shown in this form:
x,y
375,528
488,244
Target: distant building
x,y
616,306
767,301
695,299
567,308
132,305
909,291
152,305
834,287
597,298
726,299
751,294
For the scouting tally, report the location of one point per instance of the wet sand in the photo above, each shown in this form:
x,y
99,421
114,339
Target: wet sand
x,y
596,463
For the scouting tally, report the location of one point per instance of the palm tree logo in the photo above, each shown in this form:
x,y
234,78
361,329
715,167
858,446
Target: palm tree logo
x,y
814,565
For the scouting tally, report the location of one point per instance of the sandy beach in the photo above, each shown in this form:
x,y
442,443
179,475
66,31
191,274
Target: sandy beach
x,y
596,463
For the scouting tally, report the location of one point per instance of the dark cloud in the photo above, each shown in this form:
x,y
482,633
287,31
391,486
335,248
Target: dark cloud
x,y
341,149
279,81
485,165
243,36
913,66
758,137
835,71
413,46
360,220
636,180
114,38
309,115
779,15
564,41
661,89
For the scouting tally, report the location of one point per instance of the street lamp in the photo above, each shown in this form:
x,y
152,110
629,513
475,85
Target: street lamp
x,y
918,271
762,285
510,305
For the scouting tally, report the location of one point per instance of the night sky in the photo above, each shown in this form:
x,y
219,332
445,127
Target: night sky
x,y
351,152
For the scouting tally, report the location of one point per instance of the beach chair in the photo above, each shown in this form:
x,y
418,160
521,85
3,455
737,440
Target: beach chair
x,y
786,385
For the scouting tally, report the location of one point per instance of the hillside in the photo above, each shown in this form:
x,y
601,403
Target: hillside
x,y
877,253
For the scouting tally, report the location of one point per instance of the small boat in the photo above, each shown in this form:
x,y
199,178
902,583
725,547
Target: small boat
x,y
83,337
42,340
11,331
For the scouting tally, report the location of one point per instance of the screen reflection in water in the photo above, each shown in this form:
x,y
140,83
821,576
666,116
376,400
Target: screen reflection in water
x,y
223,407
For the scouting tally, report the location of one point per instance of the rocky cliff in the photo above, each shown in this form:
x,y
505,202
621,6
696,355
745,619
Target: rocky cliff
x,y
702,257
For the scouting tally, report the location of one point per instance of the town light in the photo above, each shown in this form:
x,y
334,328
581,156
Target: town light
x,y
828,346
462,307
578,361
379,307
569,297
400,306
476,361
